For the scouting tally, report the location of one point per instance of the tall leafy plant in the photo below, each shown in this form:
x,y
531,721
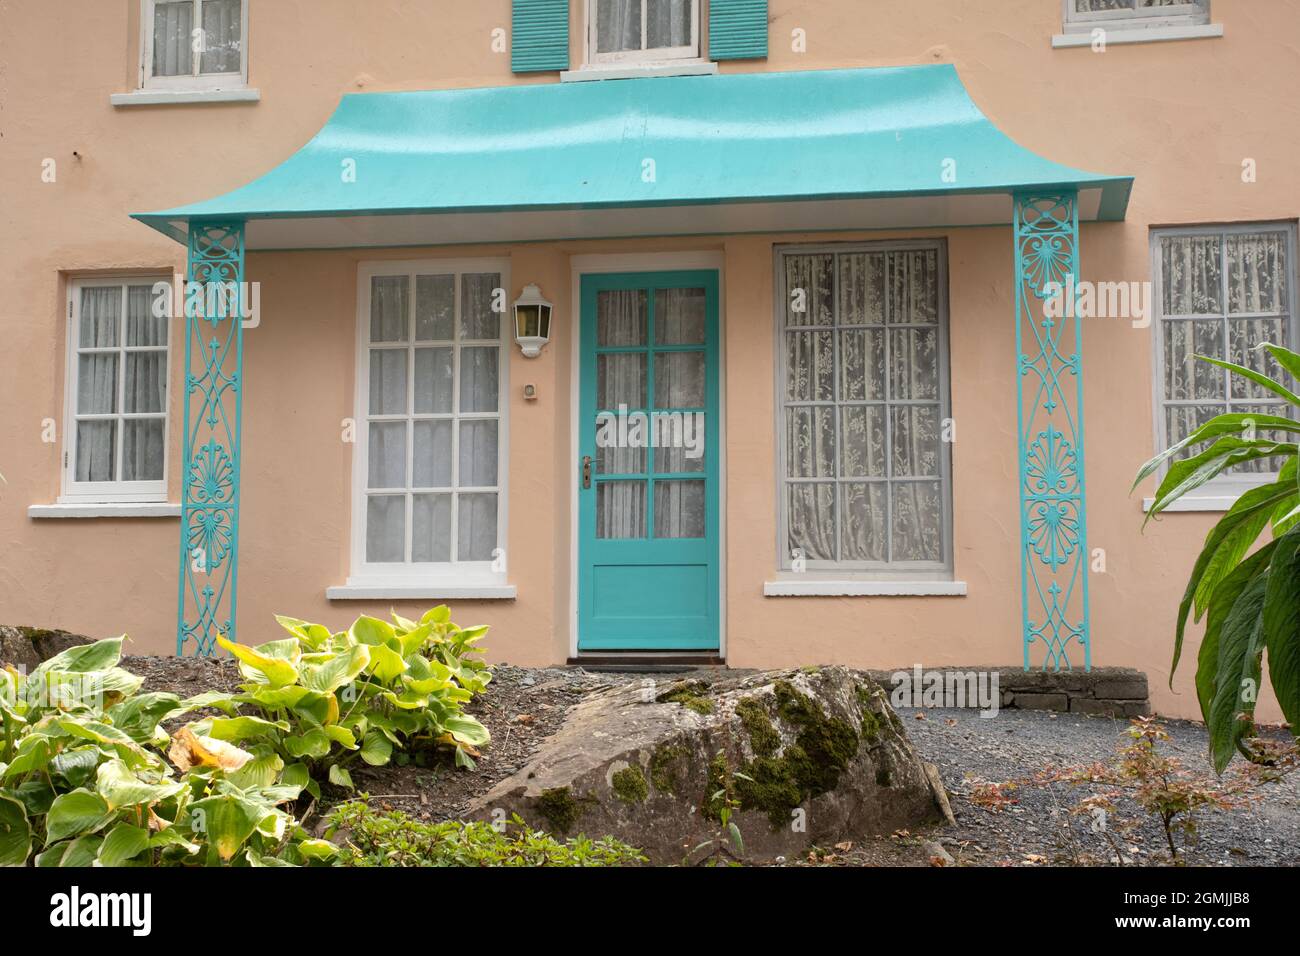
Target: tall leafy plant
x,y
1250,600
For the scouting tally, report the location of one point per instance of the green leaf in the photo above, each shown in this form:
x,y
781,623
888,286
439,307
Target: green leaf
x,y
328,677
1189,474
317,849
15,832
1259,378
315,636
1221,602
140,715
1234,423
85,658
437,615
121,787
340,777
385,664
1281,626
341,736
77,813
77,766
315,743
226,821
75,854
276,671
371,631
235,729
124,842
377,749
467,730
1240,647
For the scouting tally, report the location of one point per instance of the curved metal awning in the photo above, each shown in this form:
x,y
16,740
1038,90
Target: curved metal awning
x,y
732,153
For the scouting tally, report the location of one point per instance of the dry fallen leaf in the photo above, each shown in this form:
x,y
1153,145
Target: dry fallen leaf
x,y
189,750
844,847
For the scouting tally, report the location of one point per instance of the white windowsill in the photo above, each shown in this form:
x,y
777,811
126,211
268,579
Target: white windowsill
x,y
422,592
1116,35
177,97
630,71
123,509
847,588
1203,503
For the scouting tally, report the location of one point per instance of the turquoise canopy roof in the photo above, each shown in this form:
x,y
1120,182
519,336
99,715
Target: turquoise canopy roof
x,y
860,148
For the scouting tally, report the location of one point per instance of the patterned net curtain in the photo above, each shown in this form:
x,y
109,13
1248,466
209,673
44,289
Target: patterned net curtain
x,y
1096,6
619,25
173,37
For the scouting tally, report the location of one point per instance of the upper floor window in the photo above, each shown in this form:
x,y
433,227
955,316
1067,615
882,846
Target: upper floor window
x,y
646,30
194,44
1087,15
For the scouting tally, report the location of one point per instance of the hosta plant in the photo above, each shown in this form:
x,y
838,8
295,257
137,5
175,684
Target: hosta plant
x,y
1250,600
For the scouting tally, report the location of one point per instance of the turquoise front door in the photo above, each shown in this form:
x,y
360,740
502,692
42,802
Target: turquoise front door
x,y
648,539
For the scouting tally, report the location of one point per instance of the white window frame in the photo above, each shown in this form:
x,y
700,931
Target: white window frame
x,y
661,55
195,81
104,492
1191,13
911,571
1223,488
487,574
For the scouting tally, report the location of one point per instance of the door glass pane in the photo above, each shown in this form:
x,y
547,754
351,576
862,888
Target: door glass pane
x,y
221,36
668,23
435,308
478,296
618,454
476,527
478,454
97,383
386,528
679,509
810,366
389,307
915,439
387,455
143,328
96,450
388,381
100,310
679,380
812,520
621,317
864,521
621,380
430,528
680,316
142,449
1186,376
172,25
479,379
146,382
433,381
618,25
917,521
620,509
431,467
810,442
862,441
679,442
1192,271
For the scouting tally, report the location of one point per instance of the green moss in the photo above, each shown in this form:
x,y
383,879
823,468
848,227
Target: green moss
x,y
630,786
771,787
663,768
690,694
883,778
560,808
762,734
872,725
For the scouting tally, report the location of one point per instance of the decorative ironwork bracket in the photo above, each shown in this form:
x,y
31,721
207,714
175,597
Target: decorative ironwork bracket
x,y
1054,556
214,366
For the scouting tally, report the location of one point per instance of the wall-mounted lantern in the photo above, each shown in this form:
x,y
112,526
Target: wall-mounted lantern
x,y
532,321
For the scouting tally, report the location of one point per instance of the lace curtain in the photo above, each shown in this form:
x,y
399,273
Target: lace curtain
x,y
619,27
1222,295
862,408
447,436
173,37
1094,6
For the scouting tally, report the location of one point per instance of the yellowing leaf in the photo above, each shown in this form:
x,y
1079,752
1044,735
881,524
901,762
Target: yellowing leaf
x,y
189,750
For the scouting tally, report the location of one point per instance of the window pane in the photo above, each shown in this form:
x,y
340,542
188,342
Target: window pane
x,y
668,23
389,307
1090,6
1244,337
478,454
386,529
810,366
1262,465
679,509
476,527
96,450
862,365
621,317
101,308
1192,273
915,440
679,380
812,521
430,528
221,36
809,284
618,25
1182,420
142,449
172,25
620,380
97,383
143,328
387,455
431,467
146,382
862,441
914,287
862,289
917,521
478,296
388,381
810,442
435,308
620,509
433,381
479,381
679,316
913,364
1257,272
1187,377
865,520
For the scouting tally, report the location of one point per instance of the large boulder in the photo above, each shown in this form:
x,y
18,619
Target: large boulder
x,y
801,758
26,647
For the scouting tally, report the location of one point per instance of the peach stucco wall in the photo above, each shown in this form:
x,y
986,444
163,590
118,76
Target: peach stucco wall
x,y
1181,117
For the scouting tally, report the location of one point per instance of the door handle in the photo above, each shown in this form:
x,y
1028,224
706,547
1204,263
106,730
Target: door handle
x,y
586,471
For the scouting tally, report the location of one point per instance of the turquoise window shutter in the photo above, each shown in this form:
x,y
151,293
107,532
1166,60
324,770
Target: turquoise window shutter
x,y
737,29
539,36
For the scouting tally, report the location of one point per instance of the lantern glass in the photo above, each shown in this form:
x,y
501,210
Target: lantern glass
x,y
528,321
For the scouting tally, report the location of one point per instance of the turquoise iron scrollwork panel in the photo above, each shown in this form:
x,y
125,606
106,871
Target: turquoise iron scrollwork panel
x,y
214,364
1054,553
